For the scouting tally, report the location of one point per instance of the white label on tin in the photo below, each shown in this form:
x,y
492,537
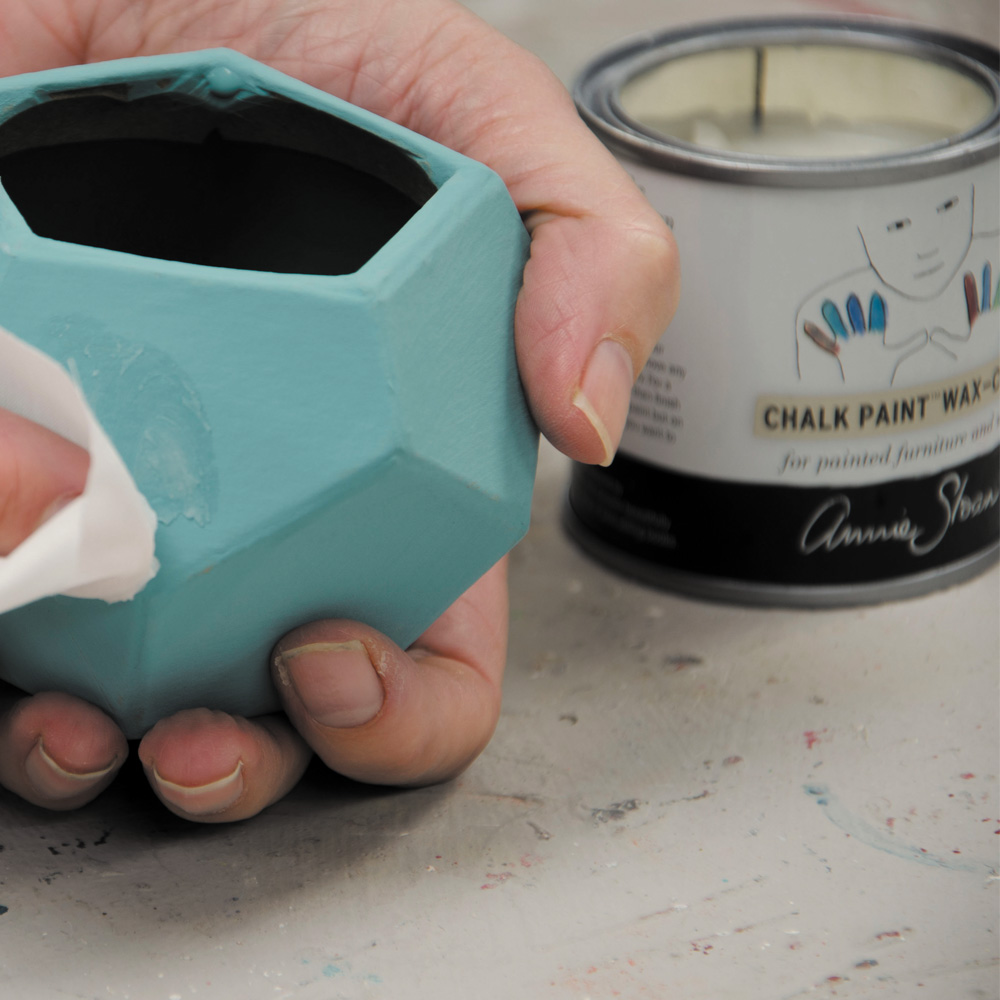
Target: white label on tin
x,y
825,336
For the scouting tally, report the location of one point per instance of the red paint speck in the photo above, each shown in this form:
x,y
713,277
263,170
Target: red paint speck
x,y
887,934
834,979
890,822
868,963
496,879
730,761
968,776
812,737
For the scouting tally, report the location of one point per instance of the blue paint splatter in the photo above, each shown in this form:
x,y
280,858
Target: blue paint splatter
x,y
856,827
332,970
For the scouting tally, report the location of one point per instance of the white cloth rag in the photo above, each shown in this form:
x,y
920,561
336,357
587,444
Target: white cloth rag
x,y
101,544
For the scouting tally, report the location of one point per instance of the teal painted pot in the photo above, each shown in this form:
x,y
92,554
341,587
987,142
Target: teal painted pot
x,y
294,320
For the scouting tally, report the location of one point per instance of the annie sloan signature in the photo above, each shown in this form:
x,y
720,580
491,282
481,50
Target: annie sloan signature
x,y
830,527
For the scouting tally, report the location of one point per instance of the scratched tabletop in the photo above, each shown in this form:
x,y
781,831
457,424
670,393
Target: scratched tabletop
x,y
683,800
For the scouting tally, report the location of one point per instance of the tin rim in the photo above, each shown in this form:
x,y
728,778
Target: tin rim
x,y
598,89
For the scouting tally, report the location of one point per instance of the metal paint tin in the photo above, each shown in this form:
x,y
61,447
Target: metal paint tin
x,y
820,424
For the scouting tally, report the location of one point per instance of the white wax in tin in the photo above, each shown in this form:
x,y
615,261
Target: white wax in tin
x,y
815,101
796,135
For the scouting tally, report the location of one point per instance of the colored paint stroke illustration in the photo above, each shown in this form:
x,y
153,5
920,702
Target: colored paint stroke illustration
x,y
856,318
976,302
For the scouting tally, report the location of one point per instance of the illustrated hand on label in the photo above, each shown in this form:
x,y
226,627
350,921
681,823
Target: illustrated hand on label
x,y
982,306
859,344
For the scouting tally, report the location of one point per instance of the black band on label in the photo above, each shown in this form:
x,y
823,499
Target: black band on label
x,y
794,535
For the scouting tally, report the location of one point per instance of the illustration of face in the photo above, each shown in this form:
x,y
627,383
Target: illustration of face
x,y
918,248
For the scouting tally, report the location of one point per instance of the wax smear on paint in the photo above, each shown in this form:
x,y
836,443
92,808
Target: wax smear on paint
x,y
152,409
857,828
101,544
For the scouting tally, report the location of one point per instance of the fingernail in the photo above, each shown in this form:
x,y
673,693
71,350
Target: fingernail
x,y
335,681
604,393
54,781
202,800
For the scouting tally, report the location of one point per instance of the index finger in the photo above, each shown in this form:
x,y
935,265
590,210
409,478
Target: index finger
x,y
40,472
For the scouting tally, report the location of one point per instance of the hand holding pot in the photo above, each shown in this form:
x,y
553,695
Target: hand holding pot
x,y
599,288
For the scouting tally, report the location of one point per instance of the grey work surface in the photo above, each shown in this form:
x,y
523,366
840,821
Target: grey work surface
x,y
683,800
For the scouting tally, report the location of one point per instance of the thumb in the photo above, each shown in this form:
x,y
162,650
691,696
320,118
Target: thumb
x,y
40,472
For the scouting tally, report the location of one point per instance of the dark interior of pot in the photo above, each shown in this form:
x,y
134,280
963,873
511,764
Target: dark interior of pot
x,y
263,184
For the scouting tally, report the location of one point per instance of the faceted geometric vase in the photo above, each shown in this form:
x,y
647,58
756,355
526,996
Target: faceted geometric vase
x,y
294,321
